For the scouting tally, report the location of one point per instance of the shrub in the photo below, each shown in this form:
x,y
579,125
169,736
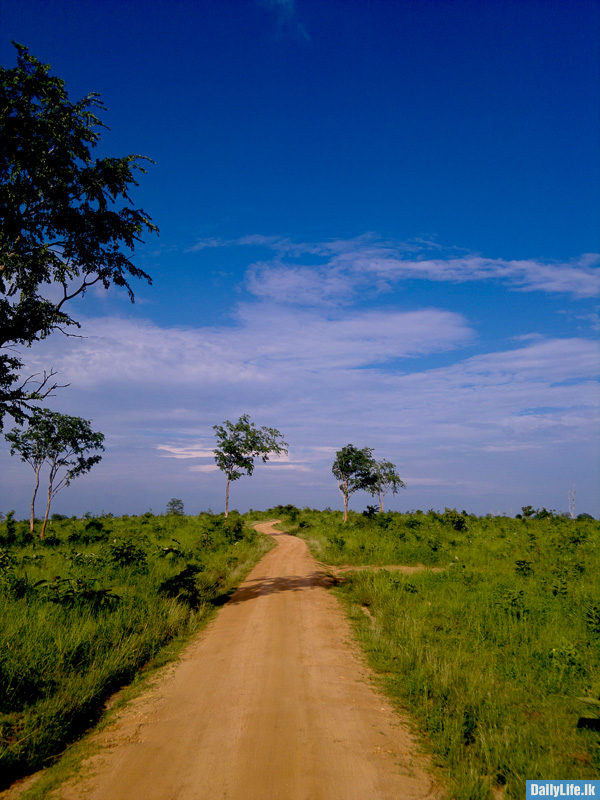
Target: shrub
x,y
126,553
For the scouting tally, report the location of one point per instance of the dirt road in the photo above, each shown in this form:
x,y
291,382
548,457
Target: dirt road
x,y
272,701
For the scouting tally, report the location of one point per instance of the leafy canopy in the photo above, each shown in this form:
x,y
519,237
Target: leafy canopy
x,y
385,479
66,218
61,442
175,507
240,443
353,469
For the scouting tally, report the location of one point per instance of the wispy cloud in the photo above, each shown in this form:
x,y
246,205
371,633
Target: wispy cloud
x,y
579,278
189,450
299,285
326,378
369,263
302,353
286,15
267,337
356,265
295,467
532,403
185,451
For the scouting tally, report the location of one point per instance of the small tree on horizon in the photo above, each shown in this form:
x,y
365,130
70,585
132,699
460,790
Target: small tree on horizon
x,y
175,507
239,443
385,479
353,469
60,441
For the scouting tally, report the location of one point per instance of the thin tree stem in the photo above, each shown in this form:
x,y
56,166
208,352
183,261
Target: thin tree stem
x,y
37,484
45,522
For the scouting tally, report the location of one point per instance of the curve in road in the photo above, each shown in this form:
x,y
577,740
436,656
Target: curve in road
x,y
271,701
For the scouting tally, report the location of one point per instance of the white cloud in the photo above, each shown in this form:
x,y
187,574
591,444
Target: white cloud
x,y
357,339
580,278
292,466
185,451
367,263
534,401
267,338
301,358
323,377
415,481
299,285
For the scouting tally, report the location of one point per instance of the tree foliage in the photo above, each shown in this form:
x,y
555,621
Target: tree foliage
x,y
239,444
354,470
62,443
385,479
175,506
66,218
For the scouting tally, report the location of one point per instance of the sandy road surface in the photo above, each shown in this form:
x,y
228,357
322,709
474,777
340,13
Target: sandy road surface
x,y
270,702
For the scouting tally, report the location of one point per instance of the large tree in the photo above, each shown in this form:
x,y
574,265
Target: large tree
x,y
66,218
28,444
239,444
63,444
385,479
353,469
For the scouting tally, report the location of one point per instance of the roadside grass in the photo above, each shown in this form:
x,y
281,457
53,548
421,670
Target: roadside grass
x,y
68,763
83,611
497,656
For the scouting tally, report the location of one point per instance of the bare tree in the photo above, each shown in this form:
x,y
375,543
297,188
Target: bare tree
x,y
571,495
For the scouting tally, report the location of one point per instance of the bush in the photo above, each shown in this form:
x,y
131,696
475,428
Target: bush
x,y
496,655
126,553
80,621
184,586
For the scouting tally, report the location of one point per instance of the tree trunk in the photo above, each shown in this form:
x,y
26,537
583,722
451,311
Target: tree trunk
x,y
37,484
345,508
381,496
227,500
45,522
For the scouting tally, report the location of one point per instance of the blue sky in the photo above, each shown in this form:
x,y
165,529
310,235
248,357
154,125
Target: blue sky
x,y
378,225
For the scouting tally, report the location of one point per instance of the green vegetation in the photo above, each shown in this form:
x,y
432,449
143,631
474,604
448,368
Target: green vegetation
x,y
385,480
175,506
353,470
356,470
62,443
497,654
82,611
239,444
67,221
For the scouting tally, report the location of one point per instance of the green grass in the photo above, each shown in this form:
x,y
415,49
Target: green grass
x,y
497,656
83,611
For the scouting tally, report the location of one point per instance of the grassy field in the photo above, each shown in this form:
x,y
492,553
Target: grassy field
x,y
83,611
497,655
